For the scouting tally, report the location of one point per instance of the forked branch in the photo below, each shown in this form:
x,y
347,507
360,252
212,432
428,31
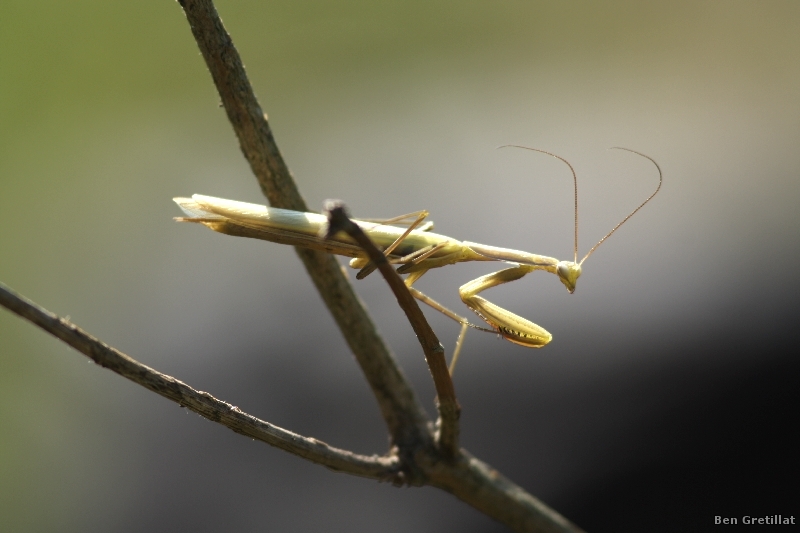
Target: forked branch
x,y
417,457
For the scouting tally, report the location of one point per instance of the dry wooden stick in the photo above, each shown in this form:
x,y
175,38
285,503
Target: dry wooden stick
x,y
202,403
449,410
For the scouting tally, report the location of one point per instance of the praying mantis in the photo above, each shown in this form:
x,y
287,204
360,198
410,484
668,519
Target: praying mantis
x,y
415,248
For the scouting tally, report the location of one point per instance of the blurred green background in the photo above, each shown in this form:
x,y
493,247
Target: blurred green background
x,y
107,111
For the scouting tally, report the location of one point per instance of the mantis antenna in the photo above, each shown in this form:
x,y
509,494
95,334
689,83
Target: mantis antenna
x,y
574,181
575,188
660,181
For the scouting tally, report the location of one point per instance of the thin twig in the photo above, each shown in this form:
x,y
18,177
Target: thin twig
x,y
449,410
404,416
202,403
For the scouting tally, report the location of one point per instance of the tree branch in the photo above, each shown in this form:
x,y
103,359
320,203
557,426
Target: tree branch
x,y
415,459
202,403
449,410
484,488
404,416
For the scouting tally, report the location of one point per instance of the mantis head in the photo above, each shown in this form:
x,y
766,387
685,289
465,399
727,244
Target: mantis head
x,y
568,272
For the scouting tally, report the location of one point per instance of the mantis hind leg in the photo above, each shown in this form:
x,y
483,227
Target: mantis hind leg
x,y
509,325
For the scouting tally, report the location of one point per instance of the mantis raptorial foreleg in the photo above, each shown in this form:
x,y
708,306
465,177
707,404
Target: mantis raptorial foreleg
x,y
510,325
507,324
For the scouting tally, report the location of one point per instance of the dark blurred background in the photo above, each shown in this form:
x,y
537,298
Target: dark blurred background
x,y
668,395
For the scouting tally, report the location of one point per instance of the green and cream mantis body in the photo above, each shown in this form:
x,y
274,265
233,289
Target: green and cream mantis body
x,y
415,249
